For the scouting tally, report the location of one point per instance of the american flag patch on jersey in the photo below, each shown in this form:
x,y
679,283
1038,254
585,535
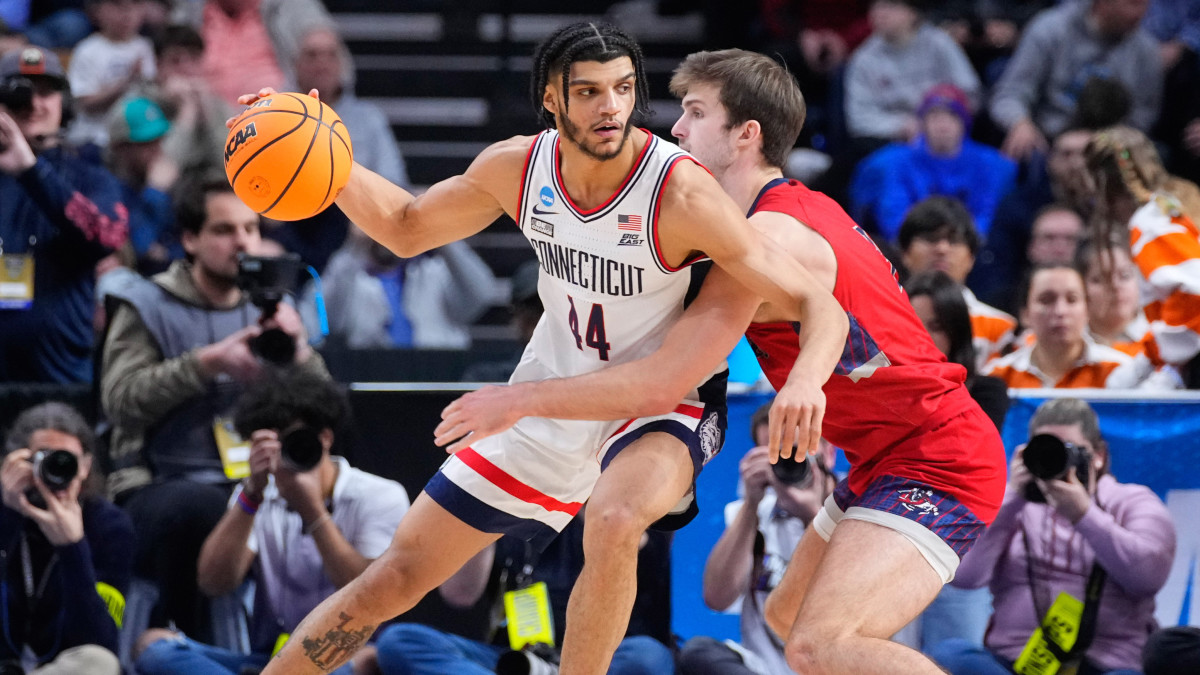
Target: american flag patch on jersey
x,y
632,223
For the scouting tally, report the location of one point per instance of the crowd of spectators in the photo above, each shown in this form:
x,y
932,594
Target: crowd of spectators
x,y
1029,165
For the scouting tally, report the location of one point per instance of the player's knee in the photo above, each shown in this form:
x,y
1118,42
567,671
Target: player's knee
x,y
611,527
804,654
810,647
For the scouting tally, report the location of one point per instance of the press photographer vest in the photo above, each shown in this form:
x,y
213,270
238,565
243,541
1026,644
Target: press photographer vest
x,y
181,444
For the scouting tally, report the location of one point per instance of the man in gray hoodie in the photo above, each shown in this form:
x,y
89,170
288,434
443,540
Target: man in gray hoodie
x,y
176,356
1062,48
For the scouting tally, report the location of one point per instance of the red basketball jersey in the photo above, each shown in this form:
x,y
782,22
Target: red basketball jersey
x,y
894,404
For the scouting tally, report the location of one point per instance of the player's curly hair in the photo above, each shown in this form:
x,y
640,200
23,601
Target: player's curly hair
x,y
584,42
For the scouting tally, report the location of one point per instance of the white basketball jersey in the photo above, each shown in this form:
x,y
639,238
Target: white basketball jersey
x,y
609,297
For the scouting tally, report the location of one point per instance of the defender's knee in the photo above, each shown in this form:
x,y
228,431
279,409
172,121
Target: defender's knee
x,y
808,651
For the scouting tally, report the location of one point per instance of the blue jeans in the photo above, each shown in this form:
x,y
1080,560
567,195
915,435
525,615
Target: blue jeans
x,y
956,613
415,649
961,657
184,656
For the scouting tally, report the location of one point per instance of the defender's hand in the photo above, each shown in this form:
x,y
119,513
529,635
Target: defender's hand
x,y
795,418
477,415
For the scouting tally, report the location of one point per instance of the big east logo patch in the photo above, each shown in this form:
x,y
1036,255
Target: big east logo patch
x,y
239,139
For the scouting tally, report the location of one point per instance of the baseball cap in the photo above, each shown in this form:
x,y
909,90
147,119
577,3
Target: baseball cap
x,y
33,62
137,120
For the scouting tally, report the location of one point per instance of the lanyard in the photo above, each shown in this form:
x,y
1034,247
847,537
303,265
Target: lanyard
x,y
27,573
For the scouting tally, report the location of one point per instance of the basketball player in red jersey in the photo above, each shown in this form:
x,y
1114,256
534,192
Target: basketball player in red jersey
x,y
927,466
612,294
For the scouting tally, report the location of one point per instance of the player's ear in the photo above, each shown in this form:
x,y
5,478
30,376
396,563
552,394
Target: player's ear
x,y
751,131
549,100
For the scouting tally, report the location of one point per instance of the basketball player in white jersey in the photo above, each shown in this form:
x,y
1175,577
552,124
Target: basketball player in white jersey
x,y
615,216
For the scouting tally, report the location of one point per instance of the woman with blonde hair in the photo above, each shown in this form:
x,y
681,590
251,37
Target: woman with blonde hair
x,y
1133,193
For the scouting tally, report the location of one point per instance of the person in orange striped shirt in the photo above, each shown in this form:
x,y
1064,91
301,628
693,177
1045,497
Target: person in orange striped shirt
x,y
938,233
1160,211
1063,354
1111,282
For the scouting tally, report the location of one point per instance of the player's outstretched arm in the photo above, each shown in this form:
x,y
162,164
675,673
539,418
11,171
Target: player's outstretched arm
x,y
653,385
697,215
448,211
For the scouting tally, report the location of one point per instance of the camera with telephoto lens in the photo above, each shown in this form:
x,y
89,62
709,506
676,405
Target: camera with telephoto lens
x,y
301,448
267,281
16,94
1050,458
533,659
794,471
56,469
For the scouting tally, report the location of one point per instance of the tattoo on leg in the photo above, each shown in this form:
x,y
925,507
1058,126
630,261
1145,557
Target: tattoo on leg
x,y
338,644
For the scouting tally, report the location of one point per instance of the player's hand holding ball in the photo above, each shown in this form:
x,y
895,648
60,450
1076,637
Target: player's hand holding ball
x,y
288,155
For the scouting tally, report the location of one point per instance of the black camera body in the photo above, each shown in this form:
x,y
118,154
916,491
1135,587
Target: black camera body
x,y
267,281
301,448
1050,458
16,94
794,471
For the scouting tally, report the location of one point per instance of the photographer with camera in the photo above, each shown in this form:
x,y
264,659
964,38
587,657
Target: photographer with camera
x,y
306,523
761,531
179,349
1074,559
64,563
58,217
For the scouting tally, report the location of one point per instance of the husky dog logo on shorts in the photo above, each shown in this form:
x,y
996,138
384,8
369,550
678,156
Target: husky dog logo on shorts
x,y
918,499
710,437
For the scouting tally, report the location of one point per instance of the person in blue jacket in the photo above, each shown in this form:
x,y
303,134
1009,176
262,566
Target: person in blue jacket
x,y
941,161
58,217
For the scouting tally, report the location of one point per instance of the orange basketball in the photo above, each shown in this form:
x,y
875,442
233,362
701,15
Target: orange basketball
x,y
288,156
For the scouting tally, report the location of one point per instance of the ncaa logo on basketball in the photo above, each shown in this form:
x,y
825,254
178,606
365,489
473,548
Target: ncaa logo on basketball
x,y
266,102
918,500
546,195
239,139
